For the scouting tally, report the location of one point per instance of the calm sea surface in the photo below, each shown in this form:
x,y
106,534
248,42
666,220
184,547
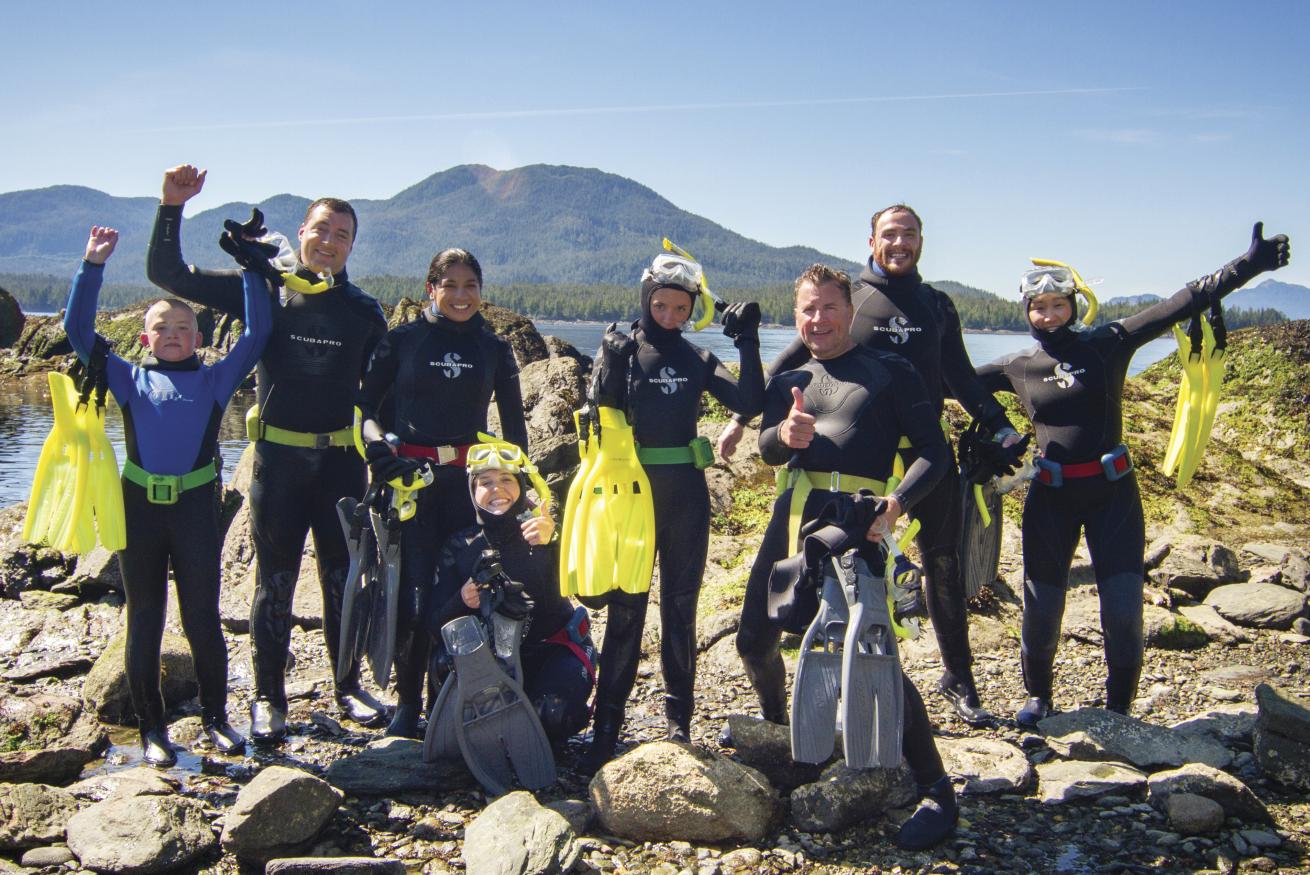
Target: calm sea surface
x,y
25,417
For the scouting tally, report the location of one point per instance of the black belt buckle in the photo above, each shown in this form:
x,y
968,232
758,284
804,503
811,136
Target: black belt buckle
x,y
322,441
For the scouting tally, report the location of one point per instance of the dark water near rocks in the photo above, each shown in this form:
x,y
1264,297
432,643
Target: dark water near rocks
x,y
25,416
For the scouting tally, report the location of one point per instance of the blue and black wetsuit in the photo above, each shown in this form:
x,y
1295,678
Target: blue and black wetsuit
x,y
1071,385
908,317
171,413
430,383
308,377
557,672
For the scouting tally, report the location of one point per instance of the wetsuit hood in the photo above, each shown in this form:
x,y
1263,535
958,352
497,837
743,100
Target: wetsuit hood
x,y
1052,337
655,334
190,363
892,285
501,527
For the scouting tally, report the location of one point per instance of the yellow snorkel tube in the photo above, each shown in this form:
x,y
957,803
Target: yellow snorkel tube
x,y
708,300
1092,306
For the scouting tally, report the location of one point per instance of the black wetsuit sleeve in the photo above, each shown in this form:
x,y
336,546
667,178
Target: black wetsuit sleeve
x,y
994,377
379,377
220,289
792,357
918,423
1141,328
777,401
745,395
509,400
959,375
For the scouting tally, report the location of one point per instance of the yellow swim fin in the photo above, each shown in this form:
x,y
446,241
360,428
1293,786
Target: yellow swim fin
x,y
106,486
1214,352
58,510
1191,392
570,542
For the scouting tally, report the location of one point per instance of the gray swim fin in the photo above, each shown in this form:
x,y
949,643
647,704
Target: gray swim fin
x,y
817,685
382,629
361,547
873,703
497,729
441,741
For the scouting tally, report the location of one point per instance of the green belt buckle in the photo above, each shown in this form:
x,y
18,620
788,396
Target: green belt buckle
x,y
162,488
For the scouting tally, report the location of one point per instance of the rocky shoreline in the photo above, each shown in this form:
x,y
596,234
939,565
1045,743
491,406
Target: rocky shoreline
x,y
1211,773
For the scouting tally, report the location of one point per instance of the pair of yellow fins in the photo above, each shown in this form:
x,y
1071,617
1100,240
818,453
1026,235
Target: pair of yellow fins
x,y
77,497
608,536
1202,352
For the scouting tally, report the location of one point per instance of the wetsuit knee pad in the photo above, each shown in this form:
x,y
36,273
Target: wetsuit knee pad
x,y
1121,619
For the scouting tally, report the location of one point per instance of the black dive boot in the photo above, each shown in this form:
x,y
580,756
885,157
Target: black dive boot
x,y
404,722
1038,680
1121,687
155,747
958,687
353,702
769,678
604,739
222,736
933,820
625,617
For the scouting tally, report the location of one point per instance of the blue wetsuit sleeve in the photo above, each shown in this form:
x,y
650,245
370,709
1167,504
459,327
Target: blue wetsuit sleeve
x,y
246,351
509,400
795,355
743,395
80,314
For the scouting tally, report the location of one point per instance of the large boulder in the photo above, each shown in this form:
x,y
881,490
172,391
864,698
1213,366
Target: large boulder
x,y
54,738
517,836
1216,628
986,765
280,809
1096,734
11,319
1201,780
766,747
664,791
1196,566
390,766
33,814
138,781
105,692
1067,781
1259,605
1282,736
843,796
140,834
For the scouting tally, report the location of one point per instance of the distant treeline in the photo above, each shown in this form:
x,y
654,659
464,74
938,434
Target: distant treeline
x,y
979,310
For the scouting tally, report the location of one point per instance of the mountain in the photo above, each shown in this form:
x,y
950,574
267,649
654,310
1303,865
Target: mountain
x,y
1290,298
536,224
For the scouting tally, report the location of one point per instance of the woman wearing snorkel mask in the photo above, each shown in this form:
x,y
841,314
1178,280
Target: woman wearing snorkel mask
x,y
658,378
422,404
1071,384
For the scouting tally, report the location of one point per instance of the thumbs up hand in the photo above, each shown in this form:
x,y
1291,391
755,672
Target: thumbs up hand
x,y
797,430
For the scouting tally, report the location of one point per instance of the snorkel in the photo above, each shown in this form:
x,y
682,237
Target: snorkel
x,y
1049,277
701,294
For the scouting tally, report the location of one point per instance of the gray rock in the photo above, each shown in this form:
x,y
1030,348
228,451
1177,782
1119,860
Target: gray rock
x,y
1196,566
578,812
1227,724
664,791
1284,759
843,796
55,739
394,765
766,747
1201,780
1282,712
334,866
141,834
517,836
41,600
1066,781
281,808
986,765
51,855
1258,605
1214,625
1171,631
1097,734
98,572
105,693
33,814
1275,554
1301,626
711,629
1236,675
1266,574
1296,571
139,781
1261,838
1191,815
44,664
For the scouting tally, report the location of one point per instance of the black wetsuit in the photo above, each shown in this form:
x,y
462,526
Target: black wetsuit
x,y
666,379
1072,384
430,383
863,401
308,378
557,676
906,316
171,413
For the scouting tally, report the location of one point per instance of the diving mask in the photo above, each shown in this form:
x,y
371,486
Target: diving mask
x,y
1047,281
676,271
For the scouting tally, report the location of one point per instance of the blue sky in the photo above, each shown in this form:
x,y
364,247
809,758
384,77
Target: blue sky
x,y
1135,140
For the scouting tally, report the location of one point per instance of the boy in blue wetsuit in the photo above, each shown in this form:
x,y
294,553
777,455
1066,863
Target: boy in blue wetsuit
x,y
172,405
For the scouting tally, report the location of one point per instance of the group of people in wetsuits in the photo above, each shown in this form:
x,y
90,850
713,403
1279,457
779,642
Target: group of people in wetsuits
x,y
864,380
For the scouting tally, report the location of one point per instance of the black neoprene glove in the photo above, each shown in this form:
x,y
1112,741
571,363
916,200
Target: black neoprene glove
x,y
741,322
611,380
385,465
1268,254
251,254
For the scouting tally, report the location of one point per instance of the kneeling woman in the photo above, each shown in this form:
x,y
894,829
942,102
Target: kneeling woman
x,y
556,653
423,402
1071,384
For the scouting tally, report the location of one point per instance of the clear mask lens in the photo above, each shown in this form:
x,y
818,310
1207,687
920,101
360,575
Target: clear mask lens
x,y
1047,281
674,270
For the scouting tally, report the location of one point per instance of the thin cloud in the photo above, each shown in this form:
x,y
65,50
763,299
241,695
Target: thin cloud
x,y
1121,136
499,115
